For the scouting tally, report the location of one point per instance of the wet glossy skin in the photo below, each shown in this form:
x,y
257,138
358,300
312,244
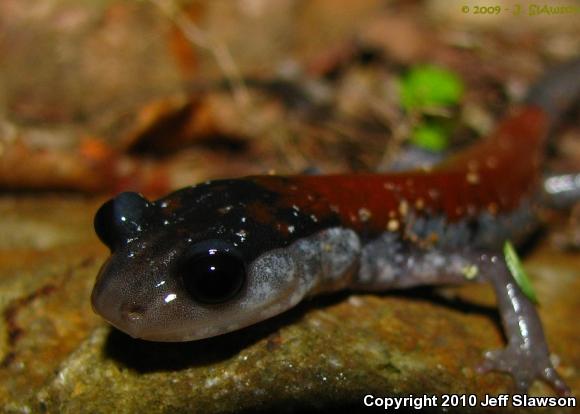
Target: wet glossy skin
x,y
217,257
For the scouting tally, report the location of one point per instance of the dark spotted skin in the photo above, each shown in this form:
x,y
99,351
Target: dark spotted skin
x,y
242,212
289,237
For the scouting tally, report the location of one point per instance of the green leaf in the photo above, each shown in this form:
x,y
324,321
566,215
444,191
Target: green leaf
x,y
430,86
517,270
430,136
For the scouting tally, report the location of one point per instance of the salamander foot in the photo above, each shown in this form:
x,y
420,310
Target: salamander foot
x,y
525,366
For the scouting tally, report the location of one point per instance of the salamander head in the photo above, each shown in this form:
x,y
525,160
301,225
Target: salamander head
x,y
192,265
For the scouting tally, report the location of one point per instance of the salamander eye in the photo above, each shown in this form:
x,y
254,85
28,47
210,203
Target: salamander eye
x,y
122,218
213,276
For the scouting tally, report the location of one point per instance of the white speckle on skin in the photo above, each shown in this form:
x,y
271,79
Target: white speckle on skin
x,y
364,214
291,229
393,225
470,271
472,178
170,297
434,194
165,222
313,218
242,234
403,208
435,260
164,204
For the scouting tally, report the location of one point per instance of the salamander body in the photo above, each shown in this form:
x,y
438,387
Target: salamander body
x,y
222,255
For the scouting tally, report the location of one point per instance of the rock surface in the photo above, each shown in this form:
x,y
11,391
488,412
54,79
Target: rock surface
x,y
58,356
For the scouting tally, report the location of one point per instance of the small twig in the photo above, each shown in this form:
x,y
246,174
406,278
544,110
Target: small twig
x,y
217,48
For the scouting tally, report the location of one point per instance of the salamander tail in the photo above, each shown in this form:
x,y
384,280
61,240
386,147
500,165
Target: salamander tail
x,y
556,93
558,90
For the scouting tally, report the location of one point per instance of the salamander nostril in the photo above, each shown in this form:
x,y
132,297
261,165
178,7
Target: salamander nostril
x,y
132,312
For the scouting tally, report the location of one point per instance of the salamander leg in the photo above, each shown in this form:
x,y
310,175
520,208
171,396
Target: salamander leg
x,y
526,357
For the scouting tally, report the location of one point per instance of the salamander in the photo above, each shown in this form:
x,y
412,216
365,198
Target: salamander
x,y
222,255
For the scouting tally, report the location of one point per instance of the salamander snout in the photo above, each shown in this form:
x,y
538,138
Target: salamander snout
x,y
129,318
131,312
122,312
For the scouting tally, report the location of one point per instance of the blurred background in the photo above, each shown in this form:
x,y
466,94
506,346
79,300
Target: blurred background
x,y
154,95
